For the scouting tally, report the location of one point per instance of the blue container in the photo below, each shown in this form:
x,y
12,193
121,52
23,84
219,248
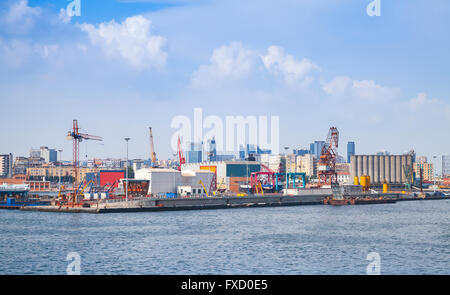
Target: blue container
x,y
10,201
171,195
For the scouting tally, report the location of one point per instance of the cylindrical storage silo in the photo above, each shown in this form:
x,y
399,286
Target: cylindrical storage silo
x,y
392,170
376,169
382,177
387,168
353,167
398,169
404,166
370,162
365,165
359,165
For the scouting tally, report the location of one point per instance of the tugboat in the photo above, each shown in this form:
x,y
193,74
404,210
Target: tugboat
x,y
338,202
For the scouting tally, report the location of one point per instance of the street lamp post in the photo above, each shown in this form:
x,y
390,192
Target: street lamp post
x,y
434,174
126,173
287,181
60,165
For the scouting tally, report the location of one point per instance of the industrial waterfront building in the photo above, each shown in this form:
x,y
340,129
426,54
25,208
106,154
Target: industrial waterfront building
x,y
229,174
163,181
391,169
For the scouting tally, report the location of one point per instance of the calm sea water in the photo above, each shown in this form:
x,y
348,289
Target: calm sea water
x,y
411,238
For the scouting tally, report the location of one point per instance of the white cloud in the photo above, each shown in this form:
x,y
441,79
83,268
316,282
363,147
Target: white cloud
x,y
421,100
364,89
339,86
130,40
293,70
63,16
19,18
429,107
16,53
227,62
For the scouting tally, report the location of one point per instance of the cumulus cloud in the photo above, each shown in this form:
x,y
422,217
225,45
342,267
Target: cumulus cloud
x,y
19,18
227,62
292,69
421,100
431,107
16,53
64,17
338,86
130,40
364,89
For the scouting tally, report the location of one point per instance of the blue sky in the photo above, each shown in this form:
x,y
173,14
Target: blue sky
x,y
125,65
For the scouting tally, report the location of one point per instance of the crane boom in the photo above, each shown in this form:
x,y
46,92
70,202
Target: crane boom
x,y
90,137
152,148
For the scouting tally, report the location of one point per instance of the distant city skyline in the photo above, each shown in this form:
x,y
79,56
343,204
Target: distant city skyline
x,y
382,81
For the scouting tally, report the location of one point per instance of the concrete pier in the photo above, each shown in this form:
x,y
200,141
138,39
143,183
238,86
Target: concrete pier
x,y
229,202
165,204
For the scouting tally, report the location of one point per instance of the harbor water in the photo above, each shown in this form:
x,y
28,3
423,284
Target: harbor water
x,y
410,238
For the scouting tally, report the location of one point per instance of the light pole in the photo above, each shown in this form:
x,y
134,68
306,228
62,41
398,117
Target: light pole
x,y
126,172
287,181
60,165
434,174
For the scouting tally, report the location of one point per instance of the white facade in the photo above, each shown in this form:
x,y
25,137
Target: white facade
x,y
167,180
275,161
307,164
186,190
343,178
221,169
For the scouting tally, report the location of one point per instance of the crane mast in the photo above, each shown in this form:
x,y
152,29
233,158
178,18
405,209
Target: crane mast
x,y
152,148
327,162
181,158
76,138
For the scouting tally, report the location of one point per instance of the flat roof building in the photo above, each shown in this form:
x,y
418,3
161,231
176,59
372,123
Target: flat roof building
x,y
6,165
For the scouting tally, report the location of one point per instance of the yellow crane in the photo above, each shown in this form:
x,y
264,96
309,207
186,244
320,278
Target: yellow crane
x,y
82,191
201,182
259,185
152,148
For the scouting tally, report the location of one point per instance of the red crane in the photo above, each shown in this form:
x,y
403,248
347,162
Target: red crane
x,y
76,138
181,158
327,162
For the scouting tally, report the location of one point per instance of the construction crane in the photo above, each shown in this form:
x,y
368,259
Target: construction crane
x,y
76,138
152,149
181,158
327,162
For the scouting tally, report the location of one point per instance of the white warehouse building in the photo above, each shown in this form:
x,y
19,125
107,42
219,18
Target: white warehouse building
x,y
164,181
